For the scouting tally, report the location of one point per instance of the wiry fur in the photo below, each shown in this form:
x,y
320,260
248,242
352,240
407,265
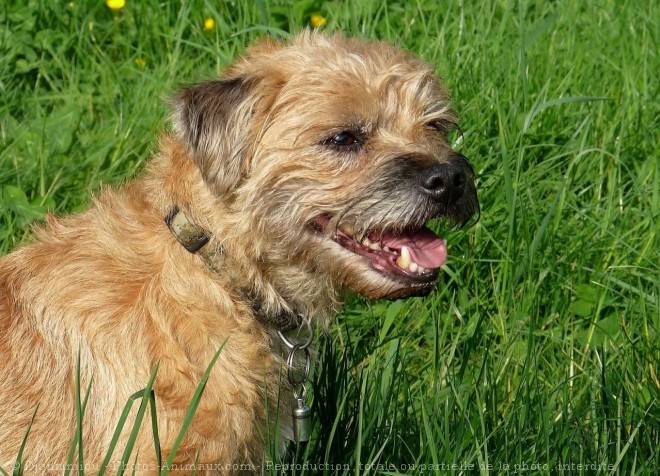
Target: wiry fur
x,y
249,162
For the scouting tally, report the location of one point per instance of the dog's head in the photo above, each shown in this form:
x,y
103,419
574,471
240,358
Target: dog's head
x,y
332,154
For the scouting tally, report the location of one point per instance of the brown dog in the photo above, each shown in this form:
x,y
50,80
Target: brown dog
x,y
306,170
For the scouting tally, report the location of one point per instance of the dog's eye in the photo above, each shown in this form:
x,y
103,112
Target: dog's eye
x,y
344,139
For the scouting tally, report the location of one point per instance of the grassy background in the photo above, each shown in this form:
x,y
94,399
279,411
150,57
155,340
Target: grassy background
x,y
540,352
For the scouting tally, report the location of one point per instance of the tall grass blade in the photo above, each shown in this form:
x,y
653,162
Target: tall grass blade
x,y
80,412
18,466
190,413
79,419
154,428
124,415
138,422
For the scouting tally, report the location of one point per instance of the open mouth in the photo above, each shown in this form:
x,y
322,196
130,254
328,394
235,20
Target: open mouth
x,y
413,256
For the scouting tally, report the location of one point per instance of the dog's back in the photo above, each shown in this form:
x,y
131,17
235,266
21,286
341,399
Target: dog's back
x,y
72,295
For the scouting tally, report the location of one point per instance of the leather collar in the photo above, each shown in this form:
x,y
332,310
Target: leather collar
x,y
195,240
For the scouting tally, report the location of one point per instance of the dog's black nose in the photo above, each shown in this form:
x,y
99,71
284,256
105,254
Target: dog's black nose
x,y
444,182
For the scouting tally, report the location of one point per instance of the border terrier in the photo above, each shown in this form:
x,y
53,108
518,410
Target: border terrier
x,y
306,170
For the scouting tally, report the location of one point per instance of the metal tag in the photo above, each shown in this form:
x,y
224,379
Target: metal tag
x,y
302,423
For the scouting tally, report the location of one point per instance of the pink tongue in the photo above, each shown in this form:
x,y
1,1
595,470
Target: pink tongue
x,y
426,248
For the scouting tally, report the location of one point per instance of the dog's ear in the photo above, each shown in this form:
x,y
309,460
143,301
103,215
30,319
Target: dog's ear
x,y
213,119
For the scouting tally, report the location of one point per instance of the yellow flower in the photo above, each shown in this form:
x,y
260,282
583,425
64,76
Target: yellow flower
x,y
209,24
139,62
317,20
115,5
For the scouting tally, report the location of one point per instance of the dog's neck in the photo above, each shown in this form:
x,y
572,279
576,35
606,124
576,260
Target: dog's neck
x,y
196,240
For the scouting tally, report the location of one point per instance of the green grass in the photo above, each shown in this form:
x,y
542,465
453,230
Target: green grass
x,y
541,347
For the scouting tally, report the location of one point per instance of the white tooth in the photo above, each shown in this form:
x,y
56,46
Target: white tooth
x,y
366,242
375,246
413,267
387,248
421,269
403,261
